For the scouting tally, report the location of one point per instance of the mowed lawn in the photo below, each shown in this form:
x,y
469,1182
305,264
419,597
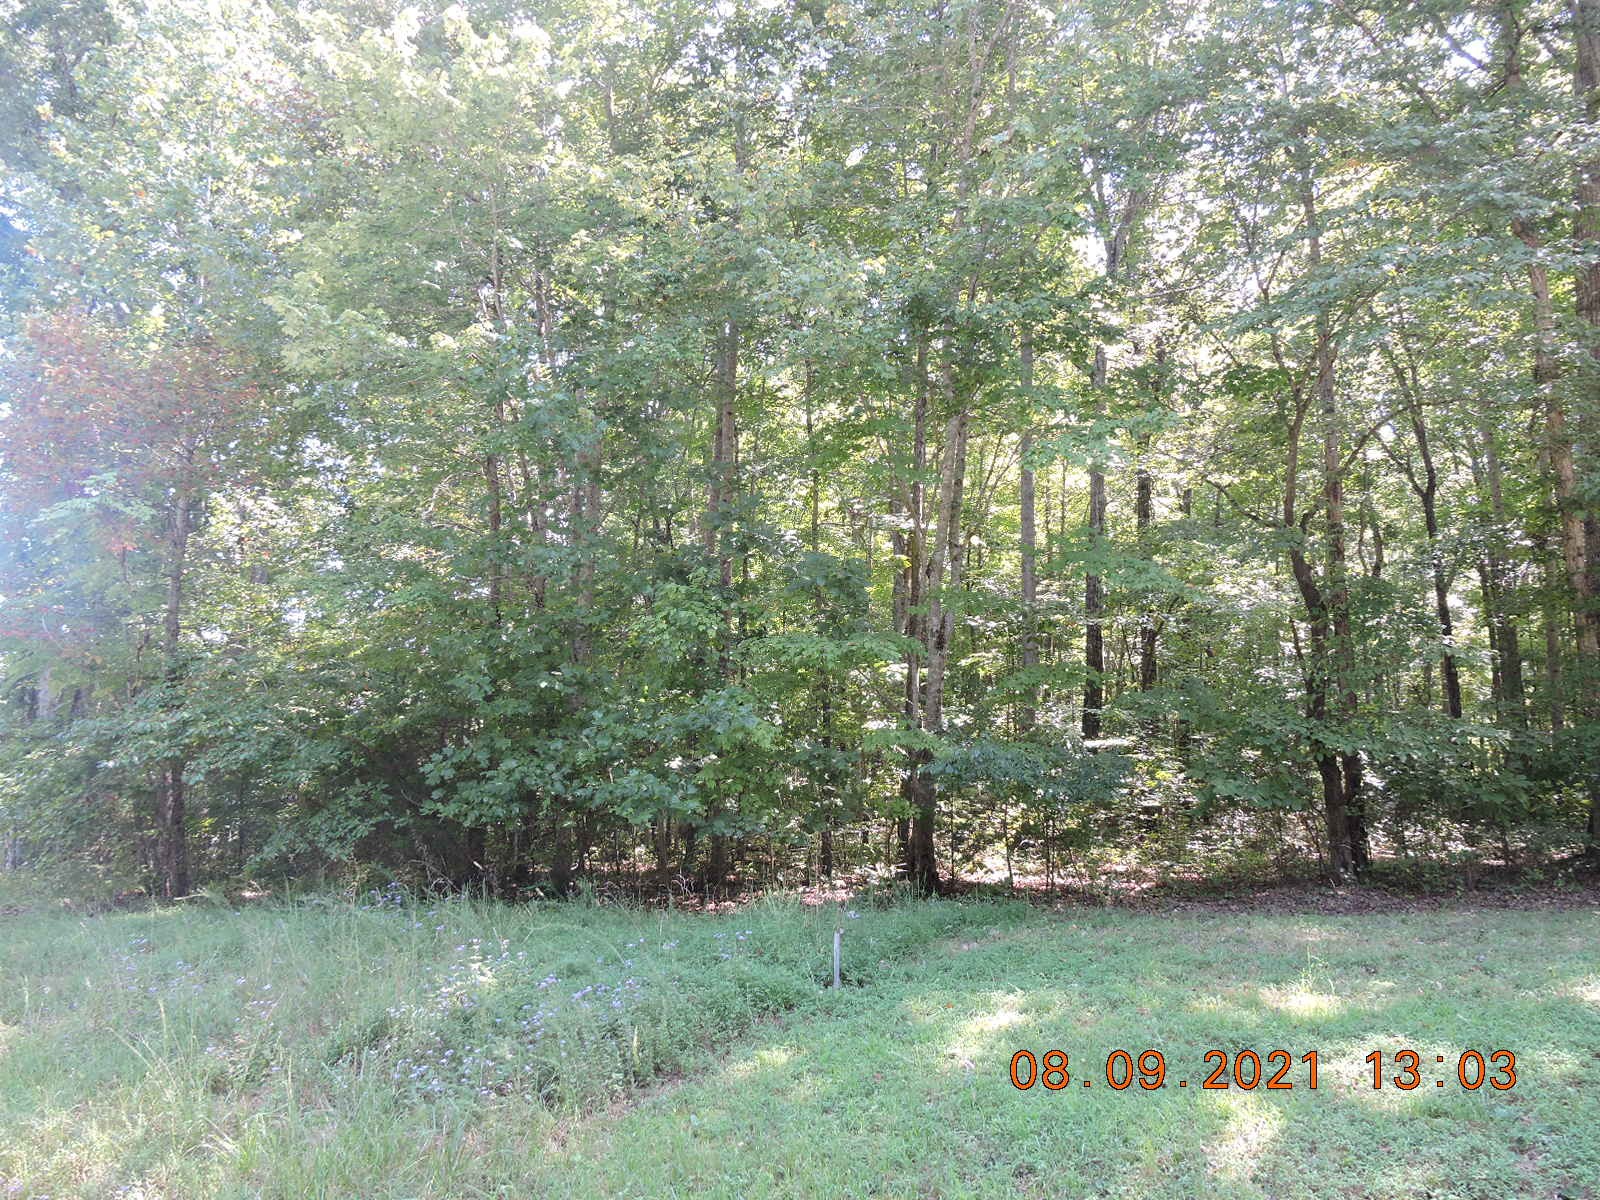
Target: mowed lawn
x,y
404,1050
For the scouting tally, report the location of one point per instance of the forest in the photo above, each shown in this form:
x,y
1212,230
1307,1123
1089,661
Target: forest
x,y
537,444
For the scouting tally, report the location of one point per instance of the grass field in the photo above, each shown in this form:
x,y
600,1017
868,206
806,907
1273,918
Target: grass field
x,y
457,1049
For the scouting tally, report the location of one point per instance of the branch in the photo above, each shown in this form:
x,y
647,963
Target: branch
x,y
1254,516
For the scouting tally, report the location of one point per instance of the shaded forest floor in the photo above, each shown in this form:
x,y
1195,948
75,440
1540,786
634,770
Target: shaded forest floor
x,y
1391,885
392,1048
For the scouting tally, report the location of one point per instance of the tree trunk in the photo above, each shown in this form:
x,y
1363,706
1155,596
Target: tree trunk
x,y
1341,773
1578,525
1504,643
944,579
1335,810
1144,513
1550,612
1094,650
1182,730
1427,490
916,618
824,683
561,864
1116,227
172,845
663,839
1029,545
725,450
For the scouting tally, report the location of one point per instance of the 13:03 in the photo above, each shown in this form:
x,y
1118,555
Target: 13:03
x,y
1472,1071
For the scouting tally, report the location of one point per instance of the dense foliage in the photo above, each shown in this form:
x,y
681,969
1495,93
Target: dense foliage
x,y
524,440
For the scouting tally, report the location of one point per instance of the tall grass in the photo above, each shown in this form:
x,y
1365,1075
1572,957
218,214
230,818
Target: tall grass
x,y
168,1036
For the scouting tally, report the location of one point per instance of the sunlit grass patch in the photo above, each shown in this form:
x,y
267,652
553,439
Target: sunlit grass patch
x,y
1252,1126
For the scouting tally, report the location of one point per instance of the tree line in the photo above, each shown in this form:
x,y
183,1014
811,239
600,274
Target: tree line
x,y
528,440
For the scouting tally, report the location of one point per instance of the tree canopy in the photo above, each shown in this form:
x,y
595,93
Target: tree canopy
x,y
521,440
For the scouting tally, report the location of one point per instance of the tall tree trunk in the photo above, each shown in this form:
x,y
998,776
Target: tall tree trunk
x,y
1427,491
586,520
1441,601
1117,225
1335,811
491,308
1094,596
824,682
1579,529
1575,550
491,474
1182,729
915,613
1341,772
720,486
1029,545
1504,641
1550,612
585,529
172,844
727,436
944,580
1546,368
724,451
1574,534
1338,590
